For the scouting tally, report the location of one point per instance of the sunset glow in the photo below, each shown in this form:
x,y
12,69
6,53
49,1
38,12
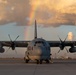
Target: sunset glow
x,y
49,13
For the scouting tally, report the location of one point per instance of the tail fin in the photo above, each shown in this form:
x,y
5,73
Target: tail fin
x,y
35,35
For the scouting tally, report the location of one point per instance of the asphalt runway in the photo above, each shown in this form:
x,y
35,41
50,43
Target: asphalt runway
x,y
18,67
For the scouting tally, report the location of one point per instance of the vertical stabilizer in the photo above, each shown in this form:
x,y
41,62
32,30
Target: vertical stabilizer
x,y
35,35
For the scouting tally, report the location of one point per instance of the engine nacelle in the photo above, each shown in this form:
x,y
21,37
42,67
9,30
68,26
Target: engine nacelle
x,y
61,47
2,50
72,50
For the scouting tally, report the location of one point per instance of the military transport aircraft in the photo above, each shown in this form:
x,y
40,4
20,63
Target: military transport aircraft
x,y
38,49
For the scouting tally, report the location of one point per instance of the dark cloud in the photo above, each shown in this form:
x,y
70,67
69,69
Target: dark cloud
x,y
65,16
48,13
14,11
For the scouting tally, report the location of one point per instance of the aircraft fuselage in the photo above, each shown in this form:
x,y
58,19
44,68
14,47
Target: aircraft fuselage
x,y
38,49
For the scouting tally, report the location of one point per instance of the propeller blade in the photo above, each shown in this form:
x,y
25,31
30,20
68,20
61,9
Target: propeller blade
x,y
60,39
15,51
16,38
12,43
9,37
67,50
58,51
8,49
65,38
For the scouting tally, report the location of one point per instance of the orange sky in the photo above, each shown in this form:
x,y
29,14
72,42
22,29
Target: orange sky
x,y
54,12
57,10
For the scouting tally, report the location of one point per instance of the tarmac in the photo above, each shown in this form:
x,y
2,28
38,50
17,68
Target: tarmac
x,y
19,67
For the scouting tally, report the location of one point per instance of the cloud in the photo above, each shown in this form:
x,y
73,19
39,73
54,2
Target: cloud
x,y
14,11
48,13
70,36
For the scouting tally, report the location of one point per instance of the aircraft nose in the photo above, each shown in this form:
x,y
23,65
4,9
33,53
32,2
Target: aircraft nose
x,y
40,50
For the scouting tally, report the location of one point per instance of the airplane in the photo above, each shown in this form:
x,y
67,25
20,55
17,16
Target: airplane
x,y
38,49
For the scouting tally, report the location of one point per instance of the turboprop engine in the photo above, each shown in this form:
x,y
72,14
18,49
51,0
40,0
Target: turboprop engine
x,y
2,50
72,49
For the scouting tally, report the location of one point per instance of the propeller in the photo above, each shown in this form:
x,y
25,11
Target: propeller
x,y
13,45
62,44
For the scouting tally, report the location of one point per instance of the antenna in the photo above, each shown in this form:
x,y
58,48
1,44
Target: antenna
x,y
35,30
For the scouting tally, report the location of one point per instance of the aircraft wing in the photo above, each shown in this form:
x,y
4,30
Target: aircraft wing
x,y
16,43
58,43
25,43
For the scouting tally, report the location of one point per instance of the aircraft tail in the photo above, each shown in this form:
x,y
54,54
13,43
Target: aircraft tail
x,y
35,35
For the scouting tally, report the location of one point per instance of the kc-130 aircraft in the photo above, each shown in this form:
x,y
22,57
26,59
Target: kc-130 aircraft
x,y
38,49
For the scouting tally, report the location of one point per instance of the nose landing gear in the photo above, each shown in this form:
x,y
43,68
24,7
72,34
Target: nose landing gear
x,y
39,61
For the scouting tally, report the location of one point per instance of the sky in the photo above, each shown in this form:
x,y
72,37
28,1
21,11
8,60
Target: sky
x,y
54,18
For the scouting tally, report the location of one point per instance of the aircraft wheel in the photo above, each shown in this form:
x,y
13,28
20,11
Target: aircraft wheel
x,y
47,61
37,61
40,61
27,60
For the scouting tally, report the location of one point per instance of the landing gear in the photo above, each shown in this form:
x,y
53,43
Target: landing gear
x,y
39,61
47,61
26,60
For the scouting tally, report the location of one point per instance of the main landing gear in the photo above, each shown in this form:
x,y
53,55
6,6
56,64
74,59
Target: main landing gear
x,y
39,61
26,60
47,61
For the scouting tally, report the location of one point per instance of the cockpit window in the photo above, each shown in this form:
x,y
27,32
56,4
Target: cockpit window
x,y
39,42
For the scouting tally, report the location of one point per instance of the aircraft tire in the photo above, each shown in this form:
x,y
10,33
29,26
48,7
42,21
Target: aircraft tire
x,y
26,60
40,61
47,61
37,61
